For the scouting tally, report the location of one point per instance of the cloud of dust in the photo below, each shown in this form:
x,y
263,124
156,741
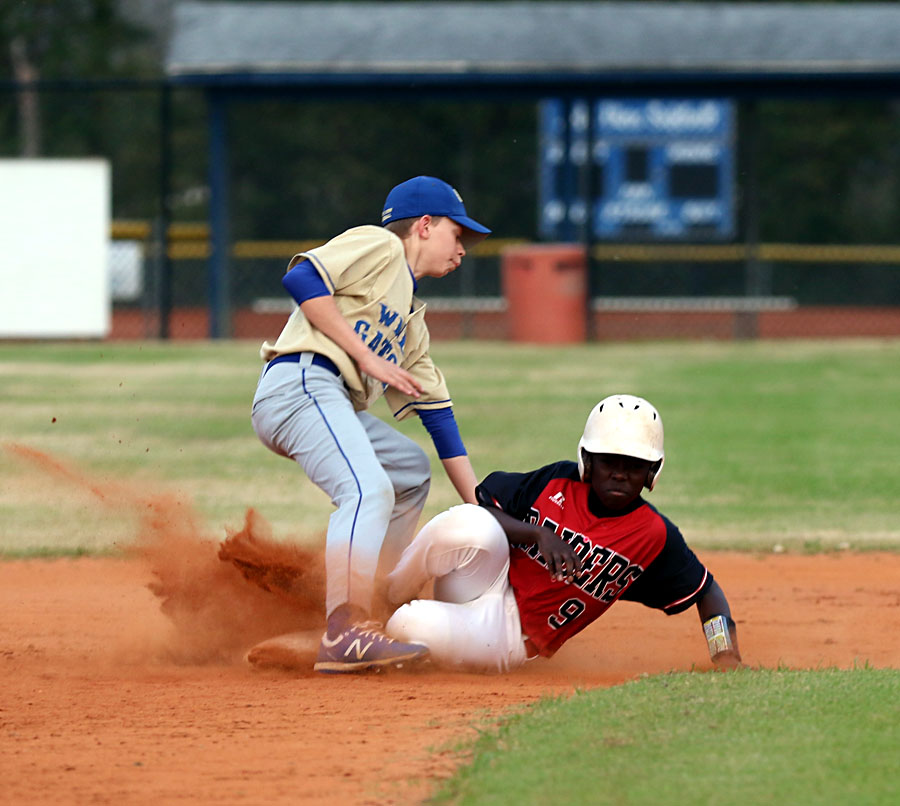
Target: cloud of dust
x,y
216,612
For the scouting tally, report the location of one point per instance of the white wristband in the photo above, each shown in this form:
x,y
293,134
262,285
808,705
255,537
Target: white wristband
x,y
718,637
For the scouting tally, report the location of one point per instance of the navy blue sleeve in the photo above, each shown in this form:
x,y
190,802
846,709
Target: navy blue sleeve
x,y
303,282
444,432
515,493
675,579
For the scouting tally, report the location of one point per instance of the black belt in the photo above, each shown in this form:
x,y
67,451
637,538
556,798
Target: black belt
x,y
318,360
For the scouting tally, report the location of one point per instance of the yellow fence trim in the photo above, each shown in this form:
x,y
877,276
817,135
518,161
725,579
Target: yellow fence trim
x,y
724,253
829,254
275,249
129,230
640,253
191,241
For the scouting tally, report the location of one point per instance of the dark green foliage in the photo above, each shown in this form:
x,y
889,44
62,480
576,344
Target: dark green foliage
x,y
829,170
335,162
74,39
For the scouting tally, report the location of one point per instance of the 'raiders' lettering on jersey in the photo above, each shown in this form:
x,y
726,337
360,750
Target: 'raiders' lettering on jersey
x,y
635,554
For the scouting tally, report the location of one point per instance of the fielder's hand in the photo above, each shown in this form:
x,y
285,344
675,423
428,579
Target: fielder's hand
x,y
387,372
322,312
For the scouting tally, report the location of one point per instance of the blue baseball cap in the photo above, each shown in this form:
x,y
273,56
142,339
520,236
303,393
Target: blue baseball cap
x,y
426,195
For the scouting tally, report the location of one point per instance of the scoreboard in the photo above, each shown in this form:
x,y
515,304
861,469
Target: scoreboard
x,y
637,169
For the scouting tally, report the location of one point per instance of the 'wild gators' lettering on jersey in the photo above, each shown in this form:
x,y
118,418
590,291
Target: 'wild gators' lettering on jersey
x,y
385,336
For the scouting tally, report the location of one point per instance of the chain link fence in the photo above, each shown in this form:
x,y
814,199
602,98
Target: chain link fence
x,y
159,265
639,292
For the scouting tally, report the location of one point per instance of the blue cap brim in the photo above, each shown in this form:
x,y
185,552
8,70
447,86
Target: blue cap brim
x,y
475,232
470,223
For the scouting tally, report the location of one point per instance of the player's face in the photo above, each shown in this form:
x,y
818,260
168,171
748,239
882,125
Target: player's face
x,y
617,480
442,250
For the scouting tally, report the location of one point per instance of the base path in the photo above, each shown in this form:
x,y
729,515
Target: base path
x,y
104,699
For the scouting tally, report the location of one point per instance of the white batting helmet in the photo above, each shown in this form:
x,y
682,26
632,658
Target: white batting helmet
x,y
625,425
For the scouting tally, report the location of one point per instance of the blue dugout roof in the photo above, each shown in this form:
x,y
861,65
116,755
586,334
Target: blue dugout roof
x,y
537,47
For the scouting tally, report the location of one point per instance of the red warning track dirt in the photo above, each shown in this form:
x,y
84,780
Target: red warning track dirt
x,y
104,699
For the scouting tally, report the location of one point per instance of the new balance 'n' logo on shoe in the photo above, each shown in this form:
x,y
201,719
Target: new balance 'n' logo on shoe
x,y
365,646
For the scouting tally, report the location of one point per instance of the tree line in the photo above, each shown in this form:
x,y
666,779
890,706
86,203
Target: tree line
x,y
827,169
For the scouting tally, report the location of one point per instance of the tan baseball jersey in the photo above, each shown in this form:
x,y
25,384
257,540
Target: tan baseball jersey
x,y
365,270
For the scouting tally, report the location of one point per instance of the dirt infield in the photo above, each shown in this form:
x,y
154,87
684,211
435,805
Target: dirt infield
x,y
102,700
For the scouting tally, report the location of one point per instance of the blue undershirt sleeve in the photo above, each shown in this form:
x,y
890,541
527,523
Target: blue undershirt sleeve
x,y
444,432
303,282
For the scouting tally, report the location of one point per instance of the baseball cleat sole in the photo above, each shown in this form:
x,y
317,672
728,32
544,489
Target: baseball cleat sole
x,y
354,667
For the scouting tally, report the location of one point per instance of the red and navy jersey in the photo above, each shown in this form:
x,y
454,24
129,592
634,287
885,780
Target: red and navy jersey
x,y
635,554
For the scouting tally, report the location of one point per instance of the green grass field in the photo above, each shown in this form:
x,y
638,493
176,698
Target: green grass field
x,y
766,443
750,738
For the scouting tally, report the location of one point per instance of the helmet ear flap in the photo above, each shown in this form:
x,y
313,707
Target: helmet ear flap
x,y
652,474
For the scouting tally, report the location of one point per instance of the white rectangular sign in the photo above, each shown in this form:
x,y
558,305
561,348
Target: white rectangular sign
x,y
54,245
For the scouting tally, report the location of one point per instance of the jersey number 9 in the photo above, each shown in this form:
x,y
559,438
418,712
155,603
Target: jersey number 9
x,y
570,610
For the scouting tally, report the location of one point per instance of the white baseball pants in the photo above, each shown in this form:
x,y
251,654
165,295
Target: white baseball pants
x,y
473,621
376,477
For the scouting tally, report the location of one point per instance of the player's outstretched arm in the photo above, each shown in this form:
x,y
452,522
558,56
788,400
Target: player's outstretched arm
x,y
719,628
462,476
562,561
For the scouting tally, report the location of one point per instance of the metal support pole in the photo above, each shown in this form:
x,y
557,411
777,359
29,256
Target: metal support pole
x,y
586,194
218,276
747,321
467,274
164,262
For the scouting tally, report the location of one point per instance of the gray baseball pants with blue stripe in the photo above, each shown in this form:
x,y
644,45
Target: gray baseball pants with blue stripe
x,y
376,477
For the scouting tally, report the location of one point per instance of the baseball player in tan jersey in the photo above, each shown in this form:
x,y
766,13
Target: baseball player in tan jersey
x,y
359,333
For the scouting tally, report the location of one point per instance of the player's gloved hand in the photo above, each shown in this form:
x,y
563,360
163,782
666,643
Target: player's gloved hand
x,y
387,372
562,561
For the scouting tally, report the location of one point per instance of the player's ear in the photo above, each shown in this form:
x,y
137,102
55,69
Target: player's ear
x,y
586,465
423,226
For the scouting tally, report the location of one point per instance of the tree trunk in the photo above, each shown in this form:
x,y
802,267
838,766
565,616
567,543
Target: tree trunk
x,y
29,109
